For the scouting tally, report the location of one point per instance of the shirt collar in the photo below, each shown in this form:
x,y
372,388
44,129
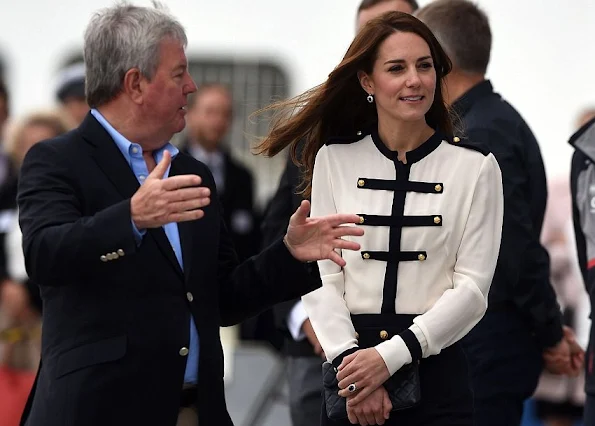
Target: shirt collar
x,y
128,148
477,92
412,156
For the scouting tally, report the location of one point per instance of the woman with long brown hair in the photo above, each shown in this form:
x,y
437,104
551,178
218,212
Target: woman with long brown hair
x,y
378,141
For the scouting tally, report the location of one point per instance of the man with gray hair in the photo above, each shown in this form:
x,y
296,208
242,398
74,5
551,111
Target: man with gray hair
x,y
523,323
125,237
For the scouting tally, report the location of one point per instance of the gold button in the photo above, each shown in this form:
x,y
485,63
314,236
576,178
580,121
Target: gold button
x,y
356,335
104,258
189,296
384,334
438,188
361,183
361,219
456,139
109,256
366,255
359,132
421,257
115,255
183,351
437,220
121,252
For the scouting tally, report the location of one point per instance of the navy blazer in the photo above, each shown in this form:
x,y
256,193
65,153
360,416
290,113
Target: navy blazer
x,y
521,281
116,316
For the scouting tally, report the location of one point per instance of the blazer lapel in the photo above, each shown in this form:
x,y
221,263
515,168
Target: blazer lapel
x,y
118,171
109,158
185,229
158,234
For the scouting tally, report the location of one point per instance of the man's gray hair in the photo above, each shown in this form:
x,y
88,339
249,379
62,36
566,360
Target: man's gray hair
x,y
120,38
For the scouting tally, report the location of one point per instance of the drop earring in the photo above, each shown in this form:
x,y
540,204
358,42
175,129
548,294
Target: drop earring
x,y
370,98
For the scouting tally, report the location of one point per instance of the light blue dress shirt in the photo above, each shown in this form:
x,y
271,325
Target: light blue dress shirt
x,y
133,153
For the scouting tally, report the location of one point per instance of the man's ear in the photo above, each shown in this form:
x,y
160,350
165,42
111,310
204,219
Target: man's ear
x,y
133,85
366,82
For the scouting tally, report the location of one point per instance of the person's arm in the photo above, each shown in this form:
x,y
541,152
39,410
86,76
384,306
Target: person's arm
x,y
296,319
326,306
261,281
523,262
537,180
269,278
289,316
60,244
461,307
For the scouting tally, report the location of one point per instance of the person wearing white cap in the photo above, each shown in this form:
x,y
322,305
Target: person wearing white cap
x,y
70,93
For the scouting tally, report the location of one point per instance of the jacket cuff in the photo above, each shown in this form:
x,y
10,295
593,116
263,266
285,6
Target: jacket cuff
x,y
138,234
395,353
339,358
295,320
408,346
412,344
117,235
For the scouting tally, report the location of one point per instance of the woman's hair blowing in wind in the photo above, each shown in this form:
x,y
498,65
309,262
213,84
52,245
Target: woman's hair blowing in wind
x,y
338,107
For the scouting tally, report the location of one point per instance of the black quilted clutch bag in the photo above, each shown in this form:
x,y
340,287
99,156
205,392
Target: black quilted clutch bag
x,y
402,387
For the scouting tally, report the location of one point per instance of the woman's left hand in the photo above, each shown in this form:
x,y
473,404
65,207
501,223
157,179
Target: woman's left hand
x,y
366,370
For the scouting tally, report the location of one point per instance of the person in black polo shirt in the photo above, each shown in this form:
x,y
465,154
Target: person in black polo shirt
x,y
522,329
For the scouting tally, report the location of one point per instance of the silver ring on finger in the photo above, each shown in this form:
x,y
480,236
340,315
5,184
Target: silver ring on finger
x,y
352,388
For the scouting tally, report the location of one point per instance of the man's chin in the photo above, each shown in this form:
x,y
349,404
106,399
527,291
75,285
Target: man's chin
x,y
180,126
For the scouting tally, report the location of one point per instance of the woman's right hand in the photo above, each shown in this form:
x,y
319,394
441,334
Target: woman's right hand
x,y
374,410
366,370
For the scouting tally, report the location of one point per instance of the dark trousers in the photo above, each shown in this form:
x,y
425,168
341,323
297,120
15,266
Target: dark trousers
x,y
446,398
504,364
304,376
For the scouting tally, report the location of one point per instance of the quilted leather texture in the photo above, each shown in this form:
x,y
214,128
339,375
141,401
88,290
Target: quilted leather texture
x,y
402,387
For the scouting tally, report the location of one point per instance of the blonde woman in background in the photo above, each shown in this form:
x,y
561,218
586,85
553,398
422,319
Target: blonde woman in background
x,y
20,304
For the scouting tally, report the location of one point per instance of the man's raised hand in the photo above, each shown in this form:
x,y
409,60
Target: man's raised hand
x,y
310,239
159,201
